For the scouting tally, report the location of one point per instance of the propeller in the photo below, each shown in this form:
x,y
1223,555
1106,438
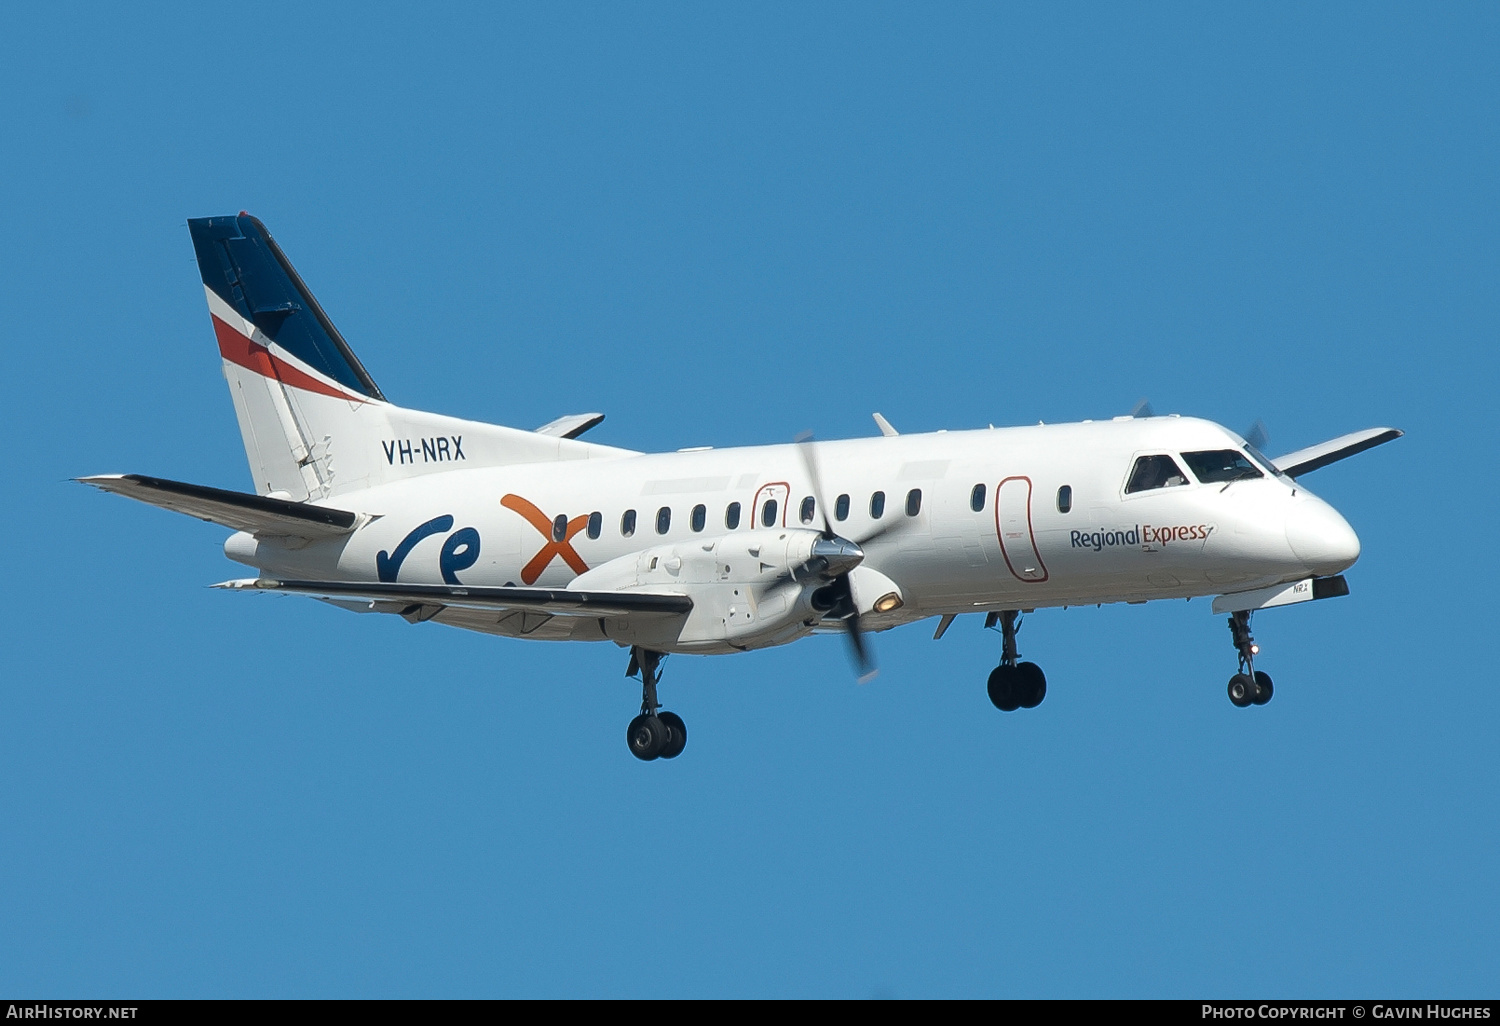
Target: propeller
x,y
1257,436
833,557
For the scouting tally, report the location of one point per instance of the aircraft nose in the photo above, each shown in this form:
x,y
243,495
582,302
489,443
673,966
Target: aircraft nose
x,y
1321,538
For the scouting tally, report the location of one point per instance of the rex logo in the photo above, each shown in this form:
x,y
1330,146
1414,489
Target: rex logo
x,y
559,532
460,550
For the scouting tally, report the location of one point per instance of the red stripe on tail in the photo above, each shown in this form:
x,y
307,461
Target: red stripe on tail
x,y
238,349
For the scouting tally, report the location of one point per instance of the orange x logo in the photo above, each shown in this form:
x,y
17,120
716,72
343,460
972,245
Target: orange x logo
x,y
554,547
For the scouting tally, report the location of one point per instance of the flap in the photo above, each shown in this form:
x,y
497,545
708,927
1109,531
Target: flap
x,y
550,600
258,514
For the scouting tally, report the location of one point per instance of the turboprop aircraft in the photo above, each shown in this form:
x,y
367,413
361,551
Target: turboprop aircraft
x,y
540,535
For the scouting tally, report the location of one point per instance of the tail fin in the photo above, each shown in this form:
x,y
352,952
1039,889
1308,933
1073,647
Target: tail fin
x,y
301,394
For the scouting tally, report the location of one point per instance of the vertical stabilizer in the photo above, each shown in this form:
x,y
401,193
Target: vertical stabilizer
x,y
283,358
313,421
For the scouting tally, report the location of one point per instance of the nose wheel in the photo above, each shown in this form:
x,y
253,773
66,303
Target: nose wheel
x,y
1250,686
653,734
1014,685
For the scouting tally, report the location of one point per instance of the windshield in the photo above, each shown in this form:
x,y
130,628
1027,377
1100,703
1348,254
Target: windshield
x,y
1262,460
1214,465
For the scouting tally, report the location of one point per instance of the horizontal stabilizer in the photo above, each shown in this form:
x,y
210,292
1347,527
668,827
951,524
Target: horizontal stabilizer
x,y
549,600
1316,457
241,511
571,426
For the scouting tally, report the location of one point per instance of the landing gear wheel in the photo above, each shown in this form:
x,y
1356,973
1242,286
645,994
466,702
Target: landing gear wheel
x,y
1014,685
647,736
1250,686
676,735
1030,686
1002,688
1263,689
1242,690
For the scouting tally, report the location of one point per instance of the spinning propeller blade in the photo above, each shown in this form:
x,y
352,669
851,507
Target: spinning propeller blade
x,y
810,463
864,663
839,590
1257,435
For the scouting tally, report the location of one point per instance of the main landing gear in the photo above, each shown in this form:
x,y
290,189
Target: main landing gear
x,y
652,734
1250,686
1014,685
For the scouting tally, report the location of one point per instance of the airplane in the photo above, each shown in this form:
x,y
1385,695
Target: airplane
x,y
540,535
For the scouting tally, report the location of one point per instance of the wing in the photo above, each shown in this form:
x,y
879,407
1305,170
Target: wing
x,y
1315,457
554,601
241,511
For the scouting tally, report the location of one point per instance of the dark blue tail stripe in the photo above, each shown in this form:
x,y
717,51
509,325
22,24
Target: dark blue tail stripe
x,y
244,267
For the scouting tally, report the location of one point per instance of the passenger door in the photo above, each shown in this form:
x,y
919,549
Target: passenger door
x,y
1013,525
778,492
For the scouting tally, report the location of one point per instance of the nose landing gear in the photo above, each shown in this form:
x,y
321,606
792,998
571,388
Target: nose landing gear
x,y
652,734
1250,686
1014,685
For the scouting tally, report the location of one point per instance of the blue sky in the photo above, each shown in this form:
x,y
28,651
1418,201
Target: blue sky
x,y
725,226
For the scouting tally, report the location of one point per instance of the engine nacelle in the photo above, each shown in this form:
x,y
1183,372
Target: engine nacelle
x,y
744,591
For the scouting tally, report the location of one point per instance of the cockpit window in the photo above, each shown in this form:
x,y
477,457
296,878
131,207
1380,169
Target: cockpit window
x,y
1215,465
1262,460
1154,472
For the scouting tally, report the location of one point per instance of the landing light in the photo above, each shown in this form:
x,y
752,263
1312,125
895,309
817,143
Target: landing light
x,y
887,602
1255,650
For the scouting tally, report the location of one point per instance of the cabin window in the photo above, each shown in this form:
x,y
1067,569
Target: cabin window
x,y
1215,465
559,527
877,505
1155,472
768,513
627,523
841,508
700,516
809,508
732,516
976,498
1065,498
664,520
596,524
914,502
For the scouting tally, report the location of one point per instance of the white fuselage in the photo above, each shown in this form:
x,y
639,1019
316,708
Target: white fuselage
x,y
1022,548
